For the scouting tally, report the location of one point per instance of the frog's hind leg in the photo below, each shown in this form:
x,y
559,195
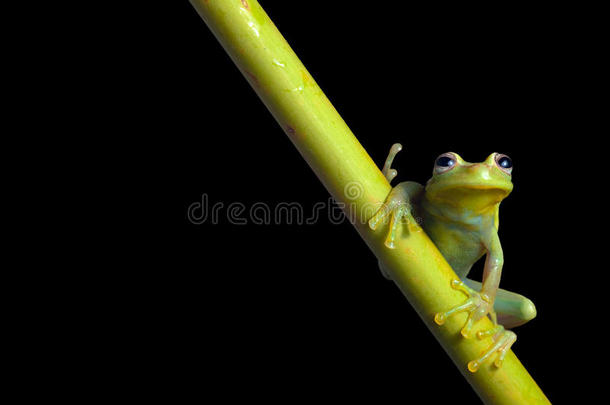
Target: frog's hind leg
x,y
512,309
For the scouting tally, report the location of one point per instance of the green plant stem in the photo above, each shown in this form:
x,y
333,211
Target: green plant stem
x,y
353,179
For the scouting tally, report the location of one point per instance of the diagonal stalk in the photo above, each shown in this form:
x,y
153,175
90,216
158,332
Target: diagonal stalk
x,y
352,178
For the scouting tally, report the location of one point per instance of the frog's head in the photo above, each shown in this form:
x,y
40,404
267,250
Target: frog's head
x,y
474,186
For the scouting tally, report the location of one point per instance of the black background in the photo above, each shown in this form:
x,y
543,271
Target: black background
x,y
301,311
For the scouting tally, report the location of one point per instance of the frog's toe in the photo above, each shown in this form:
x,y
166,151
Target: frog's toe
x,y
441,317
397,214
380,216
503,340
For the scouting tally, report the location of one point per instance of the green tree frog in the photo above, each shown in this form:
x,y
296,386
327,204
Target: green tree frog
x,y
458,209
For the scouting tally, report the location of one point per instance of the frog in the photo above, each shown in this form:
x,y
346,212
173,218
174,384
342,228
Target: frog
x,y
458,208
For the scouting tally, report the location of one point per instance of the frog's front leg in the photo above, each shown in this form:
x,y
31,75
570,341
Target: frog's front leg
x,y
398,203
396,207
479,304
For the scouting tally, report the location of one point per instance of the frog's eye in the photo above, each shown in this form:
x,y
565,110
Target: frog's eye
x,y
504,163
444,163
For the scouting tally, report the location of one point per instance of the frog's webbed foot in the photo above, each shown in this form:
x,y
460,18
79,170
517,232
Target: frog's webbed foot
x,y
503,340
396,205
479,305
394,208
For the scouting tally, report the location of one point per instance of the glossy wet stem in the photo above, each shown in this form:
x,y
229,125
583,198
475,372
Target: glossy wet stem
x,y
352,178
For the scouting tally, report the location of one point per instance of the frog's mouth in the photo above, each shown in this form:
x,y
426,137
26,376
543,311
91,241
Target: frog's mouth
x,y
479,187
482,188
476,197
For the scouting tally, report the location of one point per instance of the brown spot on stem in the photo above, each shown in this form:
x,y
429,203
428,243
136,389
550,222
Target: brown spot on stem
x,y
253,78
245,3
290,130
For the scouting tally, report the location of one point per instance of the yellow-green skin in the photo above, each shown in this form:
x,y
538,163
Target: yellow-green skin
x,y
460,213
459,210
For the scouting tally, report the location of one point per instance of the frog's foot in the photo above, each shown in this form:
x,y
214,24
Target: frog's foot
x,y
395,209
396,205
478,305
503,340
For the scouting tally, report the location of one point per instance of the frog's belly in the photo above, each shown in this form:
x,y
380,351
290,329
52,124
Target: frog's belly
x,y
460,247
